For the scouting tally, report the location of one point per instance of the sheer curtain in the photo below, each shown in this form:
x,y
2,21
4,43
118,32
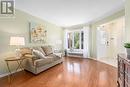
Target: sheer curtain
x,y
65,39
86,50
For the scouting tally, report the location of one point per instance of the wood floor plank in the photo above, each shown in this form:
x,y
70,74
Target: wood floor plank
x,y
73,72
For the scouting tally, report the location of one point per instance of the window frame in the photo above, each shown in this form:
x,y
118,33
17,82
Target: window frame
x,y
80,38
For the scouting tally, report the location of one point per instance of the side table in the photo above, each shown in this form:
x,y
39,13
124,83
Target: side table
x,y
14,59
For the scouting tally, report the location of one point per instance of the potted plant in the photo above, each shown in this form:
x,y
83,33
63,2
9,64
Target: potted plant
x,y
127,46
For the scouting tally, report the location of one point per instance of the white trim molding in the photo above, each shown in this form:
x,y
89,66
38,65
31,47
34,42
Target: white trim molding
x,y
6,74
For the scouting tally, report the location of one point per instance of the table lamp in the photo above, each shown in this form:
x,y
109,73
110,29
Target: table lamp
x,y
17,41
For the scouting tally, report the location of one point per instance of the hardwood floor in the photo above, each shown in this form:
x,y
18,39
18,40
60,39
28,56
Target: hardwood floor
x,y
74,72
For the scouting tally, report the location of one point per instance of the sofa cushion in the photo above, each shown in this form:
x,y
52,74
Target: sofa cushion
x,y
38,54
39,48
47,49
53,56
41,62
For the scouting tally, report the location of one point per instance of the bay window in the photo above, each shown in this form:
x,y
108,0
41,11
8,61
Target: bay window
x,y
75,40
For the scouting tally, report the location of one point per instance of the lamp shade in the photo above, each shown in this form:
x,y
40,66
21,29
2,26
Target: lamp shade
x,y
17,41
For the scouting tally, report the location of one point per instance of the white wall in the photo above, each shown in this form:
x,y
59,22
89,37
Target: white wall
x,y
127,15
94,28
115,32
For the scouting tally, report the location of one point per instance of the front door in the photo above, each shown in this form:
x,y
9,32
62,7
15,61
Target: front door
x,y
102,42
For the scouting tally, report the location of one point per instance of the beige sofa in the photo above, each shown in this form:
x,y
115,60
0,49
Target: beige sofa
x,y
35,64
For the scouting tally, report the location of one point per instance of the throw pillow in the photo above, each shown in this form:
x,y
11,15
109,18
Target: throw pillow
x,y
47,49
38,54
39,49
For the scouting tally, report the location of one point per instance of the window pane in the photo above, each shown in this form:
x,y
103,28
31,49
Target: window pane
x,y
70,40
82,39
76,40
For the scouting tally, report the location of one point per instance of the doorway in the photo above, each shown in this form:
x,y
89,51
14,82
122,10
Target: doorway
x,y
110,41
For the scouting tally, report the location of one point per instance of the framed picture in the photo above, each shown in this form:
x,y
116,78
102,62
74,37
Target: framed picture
x,y
37,33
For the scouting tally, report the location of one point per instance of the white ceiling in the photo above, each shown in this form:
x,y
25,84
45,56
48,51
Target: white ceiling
x,y
69,12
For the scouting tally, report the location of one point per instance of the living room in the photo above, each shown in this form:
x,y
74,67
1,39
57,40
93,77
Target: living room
x,y
63,43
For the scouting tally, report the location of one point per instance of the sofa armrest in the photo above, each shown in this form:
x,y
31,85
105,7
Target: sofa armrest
x,y
28,62
29,59
37,61
58,54
29,56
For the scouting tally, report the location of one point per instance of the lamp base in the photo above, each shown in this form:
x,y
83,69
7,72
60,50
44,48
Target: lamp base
x,y
17,53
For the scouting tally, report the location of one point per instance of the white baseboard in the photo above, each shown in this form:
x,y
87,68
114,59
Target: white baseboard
x,y
6,74
104,62
92,58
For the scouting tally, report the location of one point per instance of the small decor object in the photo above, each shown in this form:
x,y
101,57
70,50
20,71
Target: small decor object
x,y
127,46
37,33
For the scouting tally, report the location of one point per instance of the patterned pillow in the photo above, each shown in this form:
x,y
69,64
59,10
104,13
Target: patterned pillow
x,y
38,54
47,49
39,49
